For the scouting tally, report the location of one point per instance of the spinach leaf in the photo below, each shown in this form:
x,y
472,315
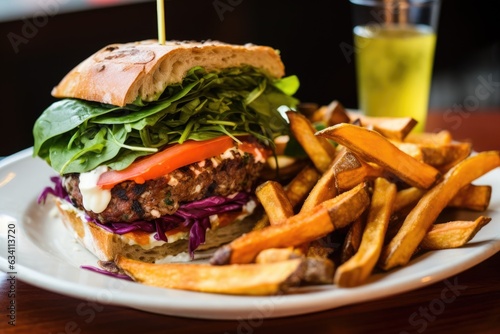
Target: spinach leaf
x,y
76,136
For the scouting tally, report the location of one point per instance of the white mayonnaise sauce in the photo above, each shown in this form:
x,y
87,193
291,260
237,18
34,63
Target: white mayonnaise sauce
x,y
94,198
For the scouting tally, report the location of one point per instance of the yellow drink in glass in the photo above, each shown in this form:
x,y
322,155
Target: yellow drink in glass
x,y
394,69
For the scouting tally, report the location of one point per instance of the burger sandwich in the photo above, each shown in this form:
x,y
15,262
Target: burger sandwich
x,y
158,148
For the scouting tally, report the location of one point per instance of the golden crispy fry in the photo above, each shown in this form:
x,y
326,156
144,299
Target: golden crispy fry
x,y
323,189
320,115
355,271
319,150
390,127
406,197
247,279
333,113
373,147
411,149
307,109
440,156
442,137
352,239
275,202
472,197
261,223
300,186
296,190
452,234
337,114
298,229
445,156
419,220
349,170
318,270
272,255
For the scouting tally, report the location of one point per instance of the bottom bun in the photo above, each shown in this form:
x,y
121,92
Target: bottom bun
x,y
142,246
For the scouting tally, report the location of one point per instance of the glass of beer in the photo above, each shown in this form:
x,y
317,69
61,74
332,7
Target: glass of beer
x,y
394,42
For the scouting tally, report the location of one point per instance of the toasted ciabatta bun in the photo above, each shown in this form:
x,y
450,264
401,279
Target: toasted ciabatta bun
x,y
142,246
118,74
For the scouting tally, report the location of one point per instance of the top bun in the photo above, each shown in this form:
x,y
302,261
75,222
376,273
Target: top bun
x,y
118,74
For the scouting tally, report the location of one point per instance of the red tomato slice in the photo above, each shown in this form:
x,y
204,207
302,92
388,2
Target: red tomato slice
x,y
166,161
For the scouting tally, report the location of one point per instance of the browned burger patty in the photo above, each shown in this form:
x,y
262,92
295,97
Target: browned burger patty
x,y
154,198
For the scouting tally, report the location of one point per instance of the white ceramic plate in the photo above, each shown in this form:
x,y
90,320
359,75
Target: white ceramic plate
x,y
47,257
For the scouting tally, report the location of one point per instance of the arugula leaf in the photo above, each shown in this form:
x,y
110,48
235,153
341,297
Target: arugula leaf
x,y
76,136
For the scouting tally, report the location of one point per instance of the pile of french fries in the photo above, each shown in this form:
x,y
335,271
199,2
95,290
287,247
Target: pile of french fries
x,y
367,199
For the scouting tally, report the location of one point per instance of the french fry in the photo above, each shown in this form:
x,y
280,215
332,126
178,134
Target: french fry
x,y
273,198
406,197
323,190
300,186
272,255
445,156
261,223
452,234
319,150
352,239
338,114
333,113
442,137
301,228
276,205
411,149
308,109
440,156
296,190
472,197
401,248
373,147
349,170
355,270
246,279
390,127
318,270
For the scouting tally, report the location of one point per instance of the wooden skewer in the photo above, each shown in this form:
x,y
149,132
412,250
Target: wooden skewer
x,y
160,8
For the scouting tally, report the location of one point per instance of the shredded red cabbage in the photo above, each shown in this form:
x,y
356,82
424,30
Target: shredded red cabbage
x,y
106,272
57,191
193,215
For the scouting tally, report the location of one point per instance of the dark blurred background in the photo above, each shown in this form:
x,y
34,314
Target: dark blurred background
x,y
40,43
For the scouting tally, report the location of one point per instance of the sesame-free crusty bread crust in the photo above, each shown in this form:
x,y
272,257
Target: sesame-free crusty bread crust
x,y
120,73
106,245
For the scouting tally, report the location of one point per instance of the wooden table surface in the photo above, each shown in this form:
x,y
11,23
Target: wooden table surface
x,y
476,308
